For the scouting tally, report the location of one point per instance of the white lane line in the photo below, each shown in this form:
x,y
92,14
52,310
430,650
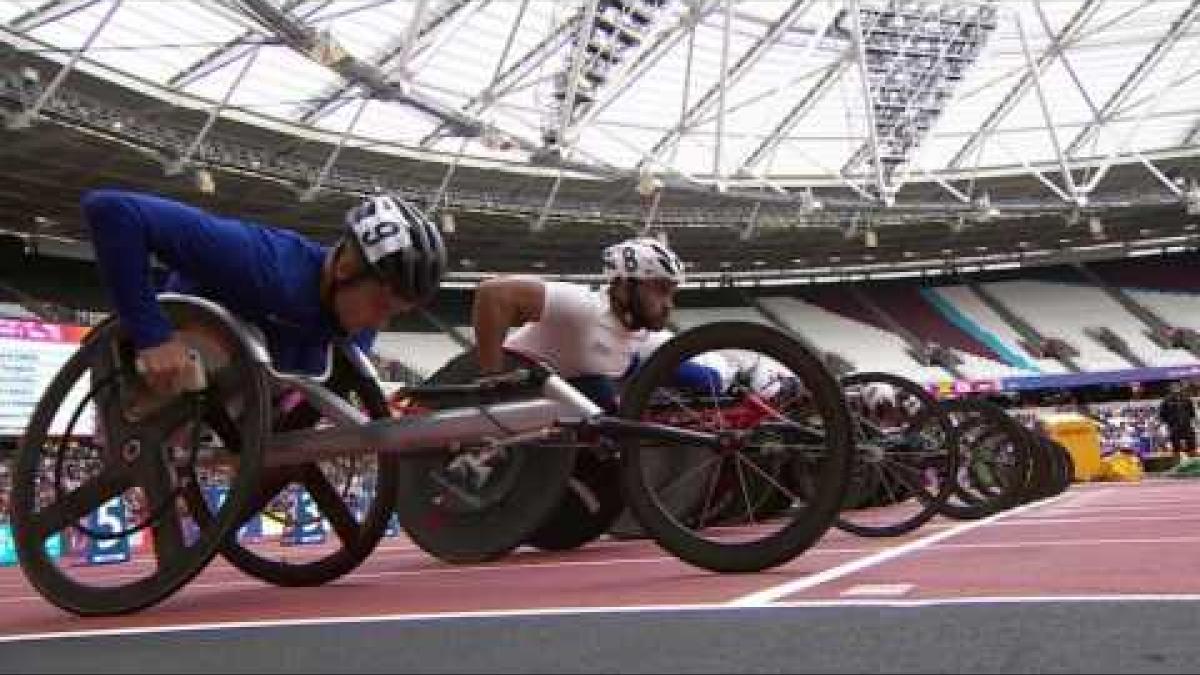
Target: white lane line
x,y
899,603
1052,520
877,591
1099,509
499,567
1075,542
987,600
343,620
774,593
1140,501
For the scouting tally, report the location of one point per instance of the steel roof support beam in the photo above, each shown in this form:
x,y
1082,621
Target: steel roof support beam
x,y
24,118
1136,77
1061,50
687,85
48,13
327,101
1192,135
732,75
213,61
229,52
505,82
631,71
722,87
321,49
1075,25
313,190
768,145
578,56
1123,147
1047,120
860,57
177,166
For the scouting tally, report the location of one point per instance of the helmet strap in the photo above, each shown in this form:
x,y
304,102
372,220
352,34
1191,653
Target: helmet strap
x,y
333,283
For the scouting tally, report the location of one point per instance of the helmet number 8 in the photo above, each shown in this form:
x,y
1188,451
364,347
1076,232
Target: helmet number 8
x,y
382,230
630,257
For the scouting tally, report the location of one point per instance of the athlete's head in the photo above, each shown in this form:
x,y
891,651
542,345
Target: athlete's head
x,y
642,275
391,260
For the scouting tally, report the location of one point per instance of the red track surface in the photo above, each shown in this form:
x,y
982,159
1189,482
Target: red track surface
x,y
1095,540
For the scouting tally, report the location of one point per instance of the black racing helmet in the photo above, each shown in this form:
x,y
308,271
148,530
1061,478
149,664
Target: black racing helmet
x,y
399,245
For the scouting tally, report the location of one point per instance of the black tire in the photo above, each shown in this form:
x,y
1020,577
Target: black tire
x,y
1068,464
1064,465
825,438
912,467
592,503
1043,469
509,508
994,459
358,538
234,380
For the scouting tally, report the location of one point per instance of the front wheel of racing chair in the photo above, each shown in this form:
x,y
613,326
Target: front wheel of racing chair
x,y
102,449
994,459
905,462
706,505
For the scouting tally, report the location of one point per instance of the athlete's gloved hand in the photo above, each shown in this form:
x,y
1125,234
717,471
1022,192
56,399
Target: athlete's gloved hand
x,y
171,367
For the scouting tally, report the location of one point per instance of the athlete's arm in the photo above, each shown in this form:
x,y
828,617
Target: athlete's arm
x,y
128,228
691,374
501,303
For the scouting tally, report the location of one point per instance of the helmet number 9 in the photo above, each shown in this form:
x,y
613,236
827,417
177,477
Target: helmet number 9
x,y
382,230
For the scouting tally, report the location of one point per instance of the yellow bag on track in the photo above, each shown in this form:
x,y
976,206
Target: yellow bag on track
x,y
1121,466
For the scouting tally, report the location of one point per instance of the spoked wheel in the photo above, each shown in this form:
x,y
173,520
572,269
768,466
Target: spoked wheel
x,y
354,494
480,502
994,459
789,411
905,465
99,442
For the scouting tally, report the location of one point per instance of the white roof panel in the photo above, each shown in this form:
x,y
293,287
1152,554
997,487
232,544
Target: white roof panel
x,y
463,41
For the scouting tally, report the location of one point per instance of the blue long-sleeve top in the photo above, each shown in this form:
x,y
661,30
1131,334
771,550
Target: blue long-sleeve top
x,y
268,276
689,375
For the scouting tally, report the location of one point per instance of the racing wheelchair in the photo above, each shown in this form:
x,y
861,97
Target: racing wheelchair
x,y
250,431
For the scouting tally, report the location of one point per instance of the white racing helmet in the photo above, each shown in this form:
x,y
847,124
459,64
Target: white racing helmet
x,y
642,258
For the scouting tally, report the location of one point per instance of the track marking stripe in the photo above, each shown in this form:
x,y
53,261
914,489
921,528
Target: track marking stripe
x,y
582,611
876,590
774,593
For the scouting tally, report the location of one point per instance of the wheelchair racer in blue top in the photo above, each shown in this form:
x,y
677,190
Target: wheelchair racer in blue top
x,y
299,293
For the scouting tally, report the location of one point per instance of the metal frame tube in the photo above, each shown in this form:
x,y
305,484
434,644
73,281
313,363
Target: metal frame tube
x,y
412,435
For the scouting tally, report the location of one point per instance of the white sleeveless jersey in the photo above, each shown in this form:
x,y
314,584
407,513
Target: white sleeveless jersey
x,y
578,334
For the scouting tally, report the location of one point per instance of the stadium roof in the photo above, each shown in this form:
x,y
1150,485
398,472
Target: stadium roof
x,y
763,90
929,131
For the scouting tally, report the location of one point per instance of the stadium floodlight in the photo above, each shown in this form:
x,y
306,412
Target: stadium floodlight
x,y
1096,227
1191,199
30,77
204,182
648,184
984,210
808,200
871,238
